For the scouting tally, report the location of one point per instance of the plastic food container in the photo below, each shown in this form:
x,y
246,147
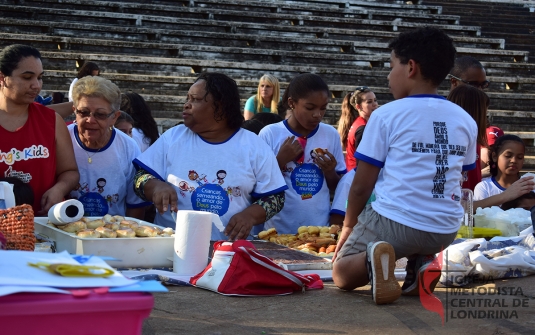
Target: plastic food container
x,y
478,232
144,252
54,313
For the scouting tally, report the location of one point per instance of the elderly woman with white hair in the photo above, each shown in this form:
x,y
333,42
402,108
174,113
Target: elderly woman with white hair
x,y
266,99
104,155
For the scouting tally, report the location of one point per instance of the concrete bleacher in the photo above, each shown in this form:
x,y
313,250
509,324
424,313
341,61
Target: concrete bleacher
x,y
157,48
509,19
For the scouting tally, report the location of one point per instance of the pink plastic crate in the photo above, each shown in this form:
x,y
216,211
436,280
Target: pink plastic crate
x,y
96,314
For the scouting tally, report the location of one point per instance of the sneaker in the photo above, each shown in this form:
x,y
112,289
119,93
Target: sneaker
x,y
416,266
381,262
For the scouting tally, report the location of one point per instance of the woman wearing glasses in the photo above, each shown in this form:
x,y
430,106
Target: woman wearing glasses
x,y
104,155
210,164
34,145
357,108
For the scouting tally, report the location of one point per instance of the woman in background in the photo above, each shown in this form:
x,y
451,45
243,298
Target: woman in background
x,y
125,123
363,100
266,98
475,102
88,69
145,131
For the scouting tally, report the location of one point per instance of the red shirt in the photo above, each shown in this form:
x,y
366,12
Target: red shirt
x,y
29,153
473,176
351,161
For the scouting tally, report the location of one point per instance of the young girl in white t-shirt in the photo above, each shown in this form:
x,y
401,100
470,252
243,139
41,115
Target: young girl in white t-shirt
x,y
310,175
506,158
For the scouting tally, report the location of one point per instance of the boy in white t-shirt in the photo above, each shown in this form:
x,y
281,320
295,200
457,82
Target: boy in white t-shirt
x,y
413,153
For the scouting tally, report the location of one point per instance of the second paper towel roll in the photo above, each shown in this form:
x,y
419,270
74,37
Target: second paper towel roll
x,y
66,212
192,242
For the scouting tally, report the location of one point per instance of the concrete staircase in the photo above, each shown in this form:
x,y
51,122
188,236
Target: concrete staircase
x,y
157,48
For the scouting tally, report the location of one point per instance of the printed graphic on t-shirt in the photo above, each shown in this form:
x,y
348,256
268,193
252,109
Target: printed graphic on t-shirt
x,y
15,155
95,202
210,198
25,177
207,193
307,180
442,149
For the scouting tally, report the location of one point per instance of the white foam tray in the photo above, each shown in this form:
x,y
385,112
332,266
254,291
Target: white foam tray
x,y
145,252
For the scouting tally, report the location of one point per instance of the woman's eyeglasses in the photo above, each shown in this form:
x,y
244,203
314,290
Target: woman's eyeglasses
x,y
482,85
98,116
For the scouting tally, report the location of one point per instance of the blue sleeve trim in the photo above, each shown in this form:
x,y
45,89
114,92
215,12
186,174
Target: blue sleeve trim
x,y
369,160
279,190
138,165
143,204
342,172
469,167
337,211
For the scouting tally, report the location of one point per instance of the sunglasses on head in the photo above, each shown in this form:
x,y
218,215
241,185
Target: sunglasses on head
x,y
98,116
482,85
360,89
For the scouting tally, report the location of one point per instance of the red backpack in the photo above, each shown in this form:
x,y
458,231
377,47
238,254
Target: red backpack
x,y
238,269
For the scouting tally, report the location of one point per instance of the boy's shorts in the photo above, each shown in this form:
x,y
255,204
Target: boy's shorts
x,y
407,241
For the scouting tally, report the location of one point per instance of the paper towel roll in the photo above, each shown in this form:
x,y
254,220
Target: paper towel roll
x,y
192,241
66,212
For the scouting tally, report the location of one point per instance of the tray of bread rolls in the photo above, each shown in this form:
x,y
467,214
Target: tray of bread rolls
x,y
311,248
133,242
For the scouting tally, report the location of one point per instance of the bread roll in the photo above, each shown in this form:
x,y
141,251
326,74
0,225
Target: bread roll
x,y
145,231
334,229
95,224
266,234
88,233
128,224
313,230
158,230
302,229
113,226
331,248
118,218
108,218
168,231
74,227
320,151
84,219
106,232
324,229
125,232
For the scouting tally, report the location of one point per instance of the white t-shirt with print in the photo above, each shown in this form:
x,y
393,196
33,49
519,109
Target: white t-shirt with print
x,y
487,188
222,178
307,197
342,191
107,183
423,143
